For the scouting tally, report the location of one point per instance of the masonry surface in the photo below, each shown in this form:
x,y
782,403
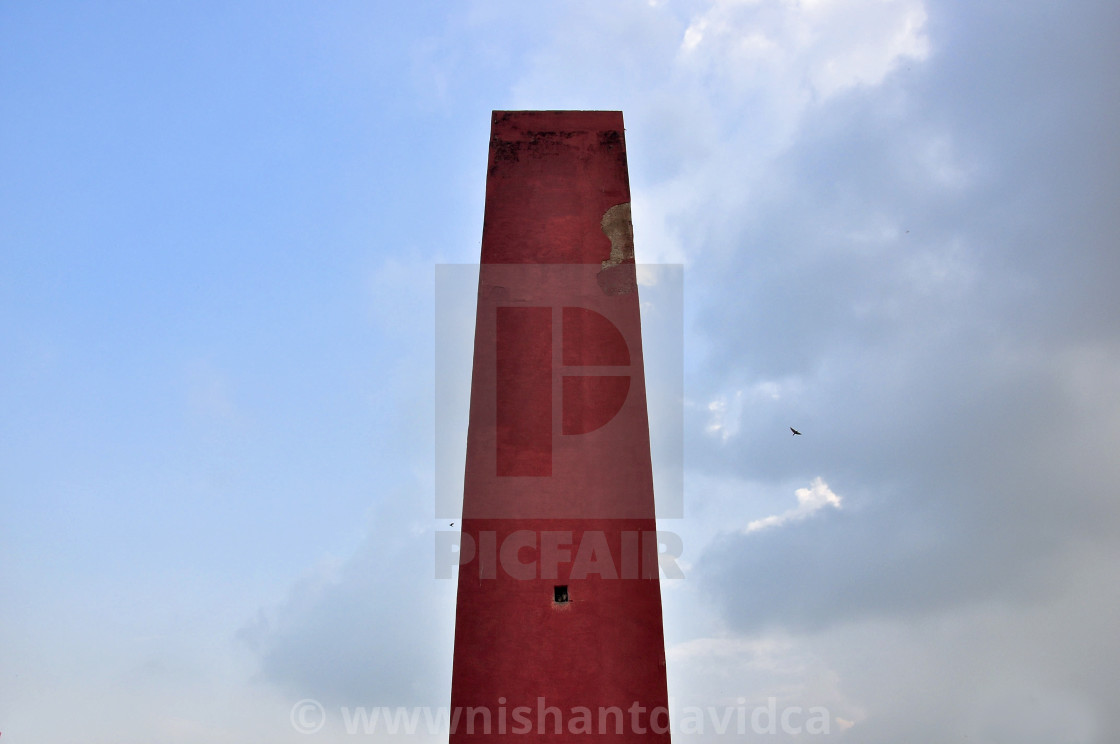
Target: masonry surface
x,y
558,442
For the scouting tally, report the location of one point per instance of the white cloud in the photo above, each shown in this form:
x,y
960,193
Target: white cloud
x,y
724,413
735,671
823,47
809,501
727,411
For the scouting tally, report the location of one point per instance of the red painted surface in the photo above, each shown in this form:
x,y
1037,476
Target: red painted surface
x,y
559,485
523,358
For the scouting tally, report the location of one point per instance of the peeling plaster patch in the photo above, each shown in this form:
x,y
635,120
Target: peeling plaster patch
x,y
618,276
617,226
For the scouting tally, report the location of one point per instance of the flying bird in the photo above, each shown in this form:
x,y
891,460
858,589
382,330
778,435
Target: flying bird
x,y
795,431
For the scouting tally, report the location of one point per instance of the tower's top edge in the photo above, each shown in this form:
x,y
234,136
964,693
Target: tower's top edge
x,y
569,120
557,111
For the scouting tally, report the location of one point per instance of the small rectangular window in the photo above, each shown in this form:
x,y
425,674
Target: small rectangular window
x,y
560,594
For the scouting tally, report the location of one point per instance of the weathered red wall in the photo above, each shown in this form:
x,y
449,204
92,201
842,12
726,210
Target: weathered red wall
x,y
558,443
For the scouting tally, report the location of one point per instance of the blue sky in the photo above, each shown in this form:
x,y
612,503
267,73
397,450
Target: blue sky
x,y
219,227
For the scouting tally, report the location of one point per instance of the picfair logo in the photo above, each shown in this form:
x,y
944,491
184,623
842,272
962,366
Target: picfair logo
x,y
595,381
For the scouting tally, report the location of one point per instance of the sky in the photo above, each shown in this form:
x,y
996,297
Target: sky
x,y
220,226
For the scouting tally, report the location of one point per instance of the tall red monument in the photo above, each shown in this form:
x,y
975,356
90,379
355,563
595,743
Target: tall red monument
x,y
558,626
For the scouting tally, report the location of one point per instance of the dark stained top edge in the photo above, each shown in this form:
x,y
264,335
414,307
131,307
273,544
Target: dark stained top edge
x,y
552,178
497,112
571,120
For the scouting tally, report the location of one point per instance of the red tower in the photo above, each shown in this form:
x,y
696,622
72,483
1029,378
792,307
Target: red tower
x,y
558,626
